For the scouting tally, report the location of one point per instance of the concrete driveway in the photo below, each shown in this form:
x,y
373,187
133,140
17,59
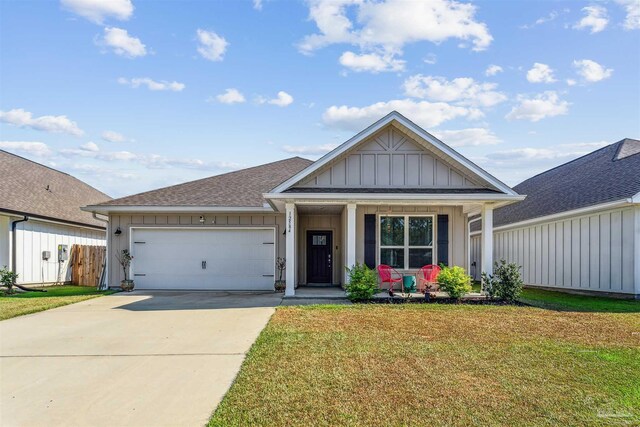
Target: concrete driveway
x,y
139,359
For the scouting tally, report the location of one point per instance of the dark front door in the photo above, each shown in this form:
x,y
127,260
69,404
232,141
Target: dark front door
x,y
319,260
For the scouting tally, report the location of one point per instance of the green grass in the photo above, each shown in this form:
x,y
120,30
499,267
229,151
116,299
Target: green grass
x,y
569,302
439,365
31,302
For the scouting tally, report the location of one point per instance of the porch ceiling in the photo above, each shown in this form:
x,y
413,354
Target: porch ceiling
x,y
320,209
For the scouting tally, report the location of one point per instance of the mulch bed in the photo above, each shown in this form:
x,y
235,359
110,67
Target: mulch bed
x,y
482,301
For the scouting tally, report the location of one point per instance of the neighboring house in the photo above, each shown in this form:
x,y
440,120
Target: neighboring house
x,y
392,194
50,200
579,227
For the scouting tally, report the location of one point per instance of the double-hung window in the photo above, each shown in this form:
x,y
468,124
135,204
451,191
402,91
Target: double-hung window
x,y
406,241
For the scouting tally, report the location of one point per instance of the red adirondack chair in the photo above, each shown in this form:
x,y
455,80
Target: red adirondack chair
x,y
387,276
427,276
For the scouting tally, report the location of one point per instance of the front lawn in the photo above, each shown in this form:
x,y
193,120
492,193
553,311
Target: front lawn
x,y
570,302
56,296
439,365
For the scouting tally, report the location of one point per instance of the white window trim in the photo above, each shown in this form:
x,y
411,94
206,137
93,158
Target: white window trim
x,y
406,246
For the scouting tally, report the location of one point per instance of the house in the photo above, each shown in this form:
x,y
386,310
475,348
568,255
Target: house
x,y
579,227
40,215
392,194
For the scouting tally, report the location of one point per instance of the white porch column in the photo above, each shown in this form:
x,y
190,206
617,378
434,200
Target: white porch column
x,y
486,247
290,229
351,238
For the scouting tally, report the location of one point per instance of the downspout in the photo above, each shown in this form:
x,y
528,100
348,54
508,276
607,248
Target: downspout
x,y
13,244
104,285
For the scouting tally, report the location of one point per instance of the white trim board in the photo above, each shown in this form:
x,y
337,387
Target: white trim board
x,y
398,197
398,118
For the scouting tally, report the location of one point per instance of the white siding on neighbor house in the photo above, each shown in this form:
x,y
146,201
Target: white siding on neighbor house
x,y
591,252
457,229
126,221
5,241
389,159
33,237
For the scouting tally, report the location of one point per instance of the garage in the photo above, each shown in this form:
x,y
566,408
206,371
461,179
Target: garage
x,y
203,259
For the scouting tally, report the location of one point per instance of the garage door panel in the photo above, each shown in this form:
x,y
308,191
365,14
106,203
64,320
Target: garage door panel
x,y
236,259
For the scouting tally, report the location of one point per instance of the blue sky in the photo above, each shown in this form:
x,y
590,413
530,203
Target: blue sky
x,y
133,95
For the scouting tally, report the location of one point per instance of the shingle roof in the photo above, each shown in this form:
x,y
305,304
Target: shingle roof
x,y
30,188
608,174
243,188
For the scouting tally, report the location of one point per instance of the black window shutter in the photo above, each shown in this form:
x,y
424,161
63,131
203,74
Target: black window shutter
x,y
370,240
443,239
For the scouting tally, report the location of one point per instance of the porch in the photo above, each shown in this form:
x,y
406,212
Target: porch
x,y
324,237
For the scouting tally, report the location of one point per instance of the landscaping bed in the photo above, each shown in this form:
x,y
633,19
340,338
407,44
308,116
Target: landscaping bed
x,y
465,301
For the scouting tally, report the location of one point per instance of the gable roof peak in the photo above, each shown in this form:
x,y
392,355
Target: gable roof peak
x,y
406,126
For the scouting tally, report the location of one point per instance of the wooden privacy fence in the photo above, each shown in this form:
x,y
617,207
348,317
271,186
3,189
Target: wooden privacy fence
x,y
86,264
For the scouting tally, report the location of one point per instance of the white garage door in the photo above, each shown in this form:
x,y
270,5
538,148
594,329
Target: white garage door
x,y
203,259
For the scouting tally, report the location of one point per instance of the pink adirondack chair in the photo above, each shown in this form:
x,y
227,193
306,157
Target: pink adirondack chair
x,y
427,276
387,276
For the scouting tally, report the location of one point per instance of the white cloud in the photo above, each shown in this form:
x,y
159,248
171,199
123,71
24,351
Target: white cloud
x,y
156,161
387,26
98,10
632,20
540,73
282,100
551,17
467,137
91,150
38,149
211,46
112,136
431,59
152,84
591,71
492,70
571,82
53,124
122,43
311,150
562,151
546,104
90,146
371,62
595,19
257,4
231,96
426,114
463,90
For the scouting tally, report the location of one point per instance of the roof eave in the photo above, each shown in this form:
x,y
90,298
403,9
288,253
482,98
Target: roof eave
x,y
52,219
395,196
107,209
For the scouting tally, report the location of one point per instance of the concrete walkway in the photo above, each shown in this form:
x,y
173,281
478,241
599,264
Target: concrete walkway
x,y
139,359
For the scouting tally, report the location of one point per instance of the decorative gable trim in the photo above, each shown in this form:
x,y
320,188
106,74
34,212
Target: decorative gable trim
x,y
411,128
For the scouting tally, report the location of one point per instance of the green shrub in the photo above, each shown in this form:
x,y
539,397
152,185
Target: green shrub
x,y
454,281
7,279
505,283
363,282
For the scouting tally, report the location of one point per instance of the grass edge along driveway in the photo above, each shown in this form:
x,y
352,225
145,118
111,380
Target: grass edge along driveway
x,y
22,303
443,365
